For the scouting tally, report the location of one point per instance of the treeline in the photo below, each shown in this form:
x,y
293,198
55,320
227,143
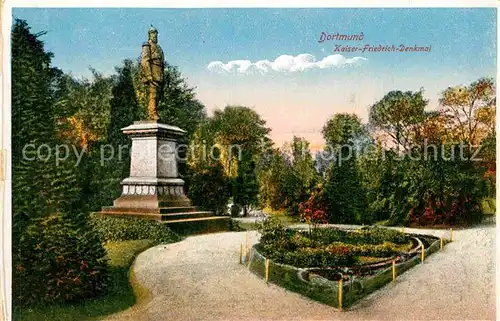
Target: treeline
x,y
406,166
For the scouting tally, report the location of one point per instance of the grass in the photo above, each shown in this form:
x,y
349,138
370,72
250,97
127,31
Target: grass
x,y
282,215
123,292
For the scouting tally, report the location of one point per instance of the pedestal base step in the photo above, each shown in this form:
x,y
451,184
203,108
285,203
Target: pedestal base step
x,y
158,210
170,216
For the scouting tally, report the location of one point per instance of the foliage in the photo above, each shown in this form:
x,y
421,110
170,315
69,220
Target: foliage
x,y
123,290
56,256
303,170
342,129
287,176
245,187
230,133
436,191
124,105
209,188
273,233
59,262
366,235
313,257
88,101
379,175
125,229
399,114
470,110
344,196
313,211
277,182
326,246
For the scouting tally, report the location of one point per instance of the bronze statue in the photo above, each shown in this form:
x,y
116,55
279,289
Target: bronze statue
x,y
152,69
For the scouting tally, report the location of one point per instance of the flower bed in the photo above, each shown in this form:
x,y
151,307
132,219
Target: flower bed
x,y
312,262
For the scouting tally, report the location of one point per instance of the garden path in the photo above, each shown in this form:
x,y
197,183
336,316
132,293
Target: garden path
x,y
200,279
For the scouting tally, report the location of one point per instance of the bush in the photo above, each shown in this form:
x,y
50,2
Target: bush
x,y
56,261
312,257
125,229
274,234
367,235
379,235
209,188
313,210
385,249
326,246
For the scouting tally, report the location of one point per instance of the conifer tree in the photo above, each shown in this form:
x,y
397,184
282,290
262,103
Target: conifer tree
x,y
56,256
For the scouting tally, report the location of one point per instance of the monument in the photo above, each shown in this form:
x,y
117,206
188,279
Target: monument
x,y
152,69
154,189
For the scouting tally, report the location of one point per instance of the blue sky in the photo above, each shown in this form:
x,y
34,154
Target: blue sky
x,y
463,48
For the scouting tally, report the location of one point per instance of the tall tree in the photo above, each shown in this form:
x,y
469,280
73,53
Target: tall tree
x,y
471,110
399,115
103,178
50,235
344,195
343,129
245,185
234,136
124,105
89,101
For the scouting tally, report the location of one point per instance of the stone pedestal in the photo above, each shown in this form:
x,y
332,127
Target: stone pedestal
x,y
154,181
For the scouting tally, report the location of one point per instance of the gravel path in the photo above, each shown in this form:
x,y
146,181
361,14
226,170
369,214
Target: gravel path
x,y
200,279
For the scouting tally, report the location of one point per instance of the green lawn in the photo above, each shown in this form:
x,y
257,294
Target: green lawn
x,y
120,296
279,214
282,216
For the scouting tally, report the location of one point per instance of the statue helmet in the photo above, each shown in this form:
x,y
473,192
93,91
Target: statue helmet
x,y
152,30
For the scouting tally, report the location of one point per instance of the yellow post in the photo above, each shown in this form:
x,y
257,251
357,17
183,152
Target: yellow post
x,y
241,253
423,253
441,243
451,234
393,270
248,258
246,244
267,271
340,294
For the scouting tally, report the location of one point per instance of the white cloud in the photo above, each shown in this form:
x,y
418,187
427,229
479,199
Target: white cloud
x,y
284,63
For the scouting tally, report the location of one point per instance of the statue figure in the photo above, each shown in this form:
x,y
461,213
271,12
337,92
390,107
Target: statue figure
x,y
152,70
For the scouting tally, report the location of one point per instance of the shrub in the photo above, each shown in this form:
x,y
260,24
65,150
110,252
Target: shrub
x,y
385,249
124,229
313,210
328,235
379,235
274,235
209,188
312,257
300,240
56,261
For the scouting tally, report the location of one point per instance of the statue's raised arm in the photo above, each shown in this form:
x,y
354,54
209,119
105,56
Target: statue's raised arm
x,y
152,69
